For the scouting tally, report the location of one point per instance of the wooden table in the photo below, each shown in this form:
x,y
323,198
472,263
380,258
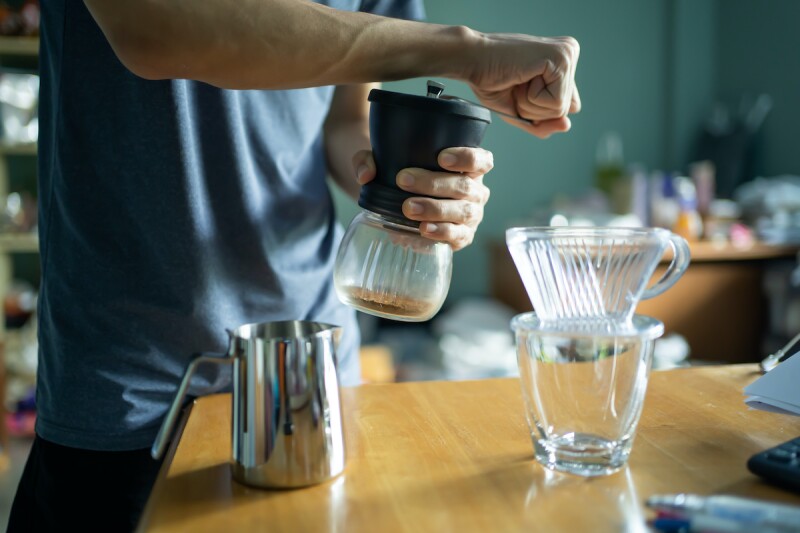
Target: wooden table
x,y
457,456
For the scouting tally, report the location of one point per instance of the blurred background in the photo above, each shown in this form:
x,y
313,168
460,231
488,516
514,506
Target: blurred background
x,y
690,121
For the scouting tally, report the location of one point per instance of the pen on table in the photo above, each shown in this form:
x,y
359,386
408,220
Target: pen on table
x,y
700,523
724,514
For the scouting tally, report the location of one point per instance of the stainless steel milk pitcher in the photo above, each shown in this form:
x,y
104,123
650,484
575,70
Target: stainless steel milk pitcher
x,y
287,420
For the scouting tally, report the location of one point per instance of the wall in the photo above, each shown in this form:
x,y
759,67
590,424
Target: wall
x,y
691,56
759,49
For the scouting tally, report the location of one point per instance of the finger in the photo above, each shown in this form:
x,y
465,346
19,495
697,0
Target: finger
x,y
545,128
435,210
457,236
564,85
364,165
443,185
546,90
575,99
530,110
551,91
473,161
575,105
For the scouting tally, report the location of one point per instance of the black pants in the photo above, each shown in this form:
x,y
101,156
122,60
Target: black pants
x,y
69,489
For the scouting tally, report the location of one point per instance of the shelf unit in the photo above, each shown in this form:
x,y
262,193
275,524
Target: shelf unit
x,y
12,243
19,46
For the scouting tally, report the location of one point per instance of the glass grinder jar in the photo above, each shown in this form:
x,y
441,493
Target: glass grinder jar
x,y
385,267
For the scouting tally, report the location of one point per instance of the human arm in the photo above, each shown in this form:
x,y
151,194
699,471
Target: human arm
x,y
346,132
280,44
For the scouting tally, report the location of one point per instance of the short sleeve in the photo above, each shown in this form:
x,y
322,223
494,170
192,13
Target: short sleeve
x,y
401,9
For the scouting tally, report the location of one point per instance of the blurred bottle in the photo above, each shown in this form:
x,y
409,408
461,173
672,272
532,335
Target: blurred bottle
x,y
664,207
688,224
609,163
640,195
703,177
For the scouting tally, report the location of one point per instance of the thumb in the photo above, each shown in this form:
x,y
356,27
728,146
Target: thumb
x,y
364,166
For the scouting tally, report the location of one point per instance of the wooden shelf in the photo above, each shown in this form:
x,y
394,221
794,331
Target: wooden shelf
x,y
19,46
18,149
19,242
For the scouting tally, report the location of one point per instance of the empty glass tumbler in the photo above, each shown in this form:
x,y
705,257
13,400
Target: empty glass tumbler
x,y
584,384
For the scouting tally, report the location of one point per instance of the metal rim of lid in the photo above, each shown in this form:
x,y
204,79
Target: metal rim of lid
x,y
426,103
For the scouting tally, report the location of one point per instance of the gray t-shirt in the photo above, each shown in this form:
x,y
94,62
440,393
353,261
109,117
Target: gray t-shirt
x,y
169,211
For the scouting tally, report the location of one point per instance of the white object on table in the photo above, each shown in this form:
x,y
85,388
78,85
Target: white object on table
x,y
777,390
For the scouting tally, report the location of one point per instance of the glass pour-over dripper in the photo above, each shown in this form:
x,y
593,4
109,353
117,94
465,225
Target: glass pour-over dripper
x,y
593,273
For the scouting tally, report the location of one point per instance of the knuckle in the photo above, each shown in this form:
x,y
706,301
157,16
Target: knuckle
x,y
573,43
487,193
489,161
468,212
464,186
463,239
469,158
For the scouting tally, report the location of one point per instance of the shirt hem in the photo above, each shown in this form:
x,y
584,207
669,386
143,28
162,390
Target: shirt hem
x,y
134,440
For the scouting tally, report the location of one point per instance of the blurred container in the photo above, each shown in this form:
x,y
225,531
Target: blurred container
x,y
664,207
722,214
689,224
609,163
19,107
702,175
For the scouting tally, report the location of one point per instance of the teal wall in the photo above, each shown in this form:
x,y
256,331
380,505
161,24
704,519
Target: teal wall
x,y
649,70
759,51
692,35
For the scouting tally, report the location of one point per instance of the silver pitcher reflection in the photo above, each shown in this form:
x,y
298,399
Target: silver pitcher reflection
x,y
287,420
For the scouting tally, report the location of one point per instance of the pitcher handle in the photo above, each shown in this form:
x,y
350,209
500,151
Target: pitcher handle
x,y
679,264
168,425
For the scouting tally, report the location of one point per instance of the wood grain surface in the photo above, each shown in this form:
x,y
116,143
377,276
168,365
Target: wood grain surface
x,y
457,456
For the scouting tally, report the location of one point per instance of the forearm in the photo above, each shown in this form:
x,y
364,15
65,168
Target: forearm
x,y
276,44
346,132
341,143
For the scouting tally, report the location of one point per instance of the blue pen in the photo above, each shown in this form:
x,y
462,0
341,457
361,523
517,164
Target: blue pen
x,y
670,525
701,523
729,513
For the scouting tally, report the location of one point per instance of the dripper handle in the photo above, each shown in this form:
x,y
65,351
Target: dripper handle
x,y
679,264
168,425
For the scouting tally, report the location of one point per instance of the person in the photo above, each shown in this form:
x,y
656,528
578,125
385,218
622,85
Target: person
x,y
183,153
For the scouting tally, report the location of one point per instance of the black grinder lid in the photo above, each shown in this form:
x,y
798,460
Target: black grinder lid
x,y
435,105
428,124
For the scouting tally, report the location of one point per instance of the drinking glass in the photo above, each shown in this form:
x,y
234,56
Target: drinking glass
x,y
584,385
